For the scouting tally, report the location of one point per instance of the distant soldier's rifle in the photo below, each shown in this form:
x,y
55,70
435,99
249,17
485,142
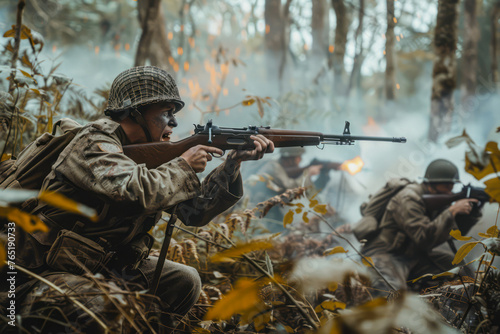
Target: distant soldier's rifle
x,y
440,201
155,154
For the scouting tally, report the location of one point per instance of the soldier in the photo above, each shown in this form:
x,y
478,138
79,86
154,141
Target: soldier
x,y
406,244
284,174
130,199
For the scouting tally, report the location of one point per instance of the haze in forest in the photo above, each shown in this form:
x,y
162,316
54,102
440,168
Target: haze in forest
x,y
320,62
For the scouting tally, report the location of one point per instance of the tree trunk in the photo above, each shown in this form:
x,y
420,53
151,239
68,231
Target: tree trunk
x,y
273,41
153,45
319,28
340,44
444,71
359,56
277,38
495,13
390,81
471,40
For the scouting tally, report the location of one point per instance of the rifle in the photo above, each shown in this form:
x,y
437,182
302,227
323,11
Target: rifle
x,y
155,154
295,172
440,201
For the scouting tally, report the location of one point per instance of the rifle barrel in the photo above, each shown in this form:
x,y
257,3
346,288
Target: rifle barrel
x,y
349,138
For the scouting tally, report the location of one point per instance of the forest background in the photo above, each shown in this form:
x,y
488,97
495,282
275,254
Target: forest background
x,y
425,70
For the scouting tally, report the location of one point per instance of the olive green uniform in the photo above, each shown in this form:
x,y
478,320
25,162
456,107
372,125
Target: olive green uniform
x,y
405,248
129,199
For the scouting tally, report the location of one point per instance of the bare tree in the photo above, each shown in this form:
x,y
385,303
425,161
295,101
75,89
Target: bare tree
x,y
390,81
153,45
495,38
471,40
359,56
337,60
319,28
277,38
443,73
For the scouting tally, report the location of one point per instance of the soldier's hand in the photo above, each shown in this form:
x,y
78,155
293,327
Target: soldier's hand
x,y
198,156
463,206
262,146
315,169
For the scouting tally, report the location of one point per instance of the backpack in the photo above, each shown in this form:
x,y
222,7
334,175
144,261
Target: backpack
x,y
373,210
34,163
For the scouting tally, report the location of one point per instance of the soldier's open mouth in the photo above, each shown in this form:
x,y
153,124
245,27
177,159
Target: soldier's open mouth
x,y
166,136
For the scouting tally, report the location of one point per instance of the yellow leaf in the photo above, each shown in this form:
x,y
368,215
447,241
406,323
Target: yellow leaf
x,y
3,255
64,203
200,330
305,218
37,92
336,249
243,297
289,329
288,219
298,210
484,235
313,203
368,261
26,74
6,156
333,286
493,231
457,234
418,278
446,273
248,102
480,172
493,189
259,314
463,251
329,305
377,302
10,33
241,249
320,209
27,222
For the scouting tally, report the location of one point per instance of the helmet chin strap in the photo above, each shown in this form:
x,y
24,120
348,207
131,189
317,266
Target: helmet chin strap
x,y
137,117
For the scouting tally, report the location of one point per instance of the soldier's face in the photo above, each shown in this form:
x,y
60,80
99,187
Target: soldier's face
x,y
444,188
161,121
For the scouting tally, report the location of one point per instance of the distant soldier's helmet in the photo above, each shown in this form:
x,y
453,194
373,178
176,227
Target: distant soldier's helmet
x,y
441,171
289,152
142,86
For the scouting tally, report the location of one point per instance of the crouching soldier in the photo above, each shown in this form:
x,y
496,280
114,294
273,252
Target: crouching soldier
x,y
130,199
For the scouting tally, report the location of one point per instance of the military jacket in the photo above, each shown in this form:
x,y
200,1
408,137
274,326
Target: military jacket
x,y
128,197
408,229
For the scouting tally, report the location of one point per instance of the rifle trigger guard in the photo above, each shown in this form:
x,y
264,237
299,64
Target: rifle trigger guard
x,y
321,147
215,155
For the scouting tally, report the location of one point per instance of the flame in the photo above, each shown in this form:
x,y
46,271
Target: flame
x,y
353,166
398,86
384,52
331,48
395,20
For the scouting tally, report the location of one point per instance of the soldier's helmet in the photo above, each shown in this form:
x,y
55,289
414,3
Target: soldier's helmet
x,y
441,171
142,86
291,152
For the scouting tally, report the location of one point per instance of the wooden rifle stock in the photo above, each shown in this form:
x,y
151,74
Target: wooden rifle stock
x,y
441,201
155,154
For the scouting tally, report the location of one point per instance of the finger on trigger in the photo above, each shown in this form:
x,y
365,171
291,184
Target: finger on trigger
x,y
215,150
